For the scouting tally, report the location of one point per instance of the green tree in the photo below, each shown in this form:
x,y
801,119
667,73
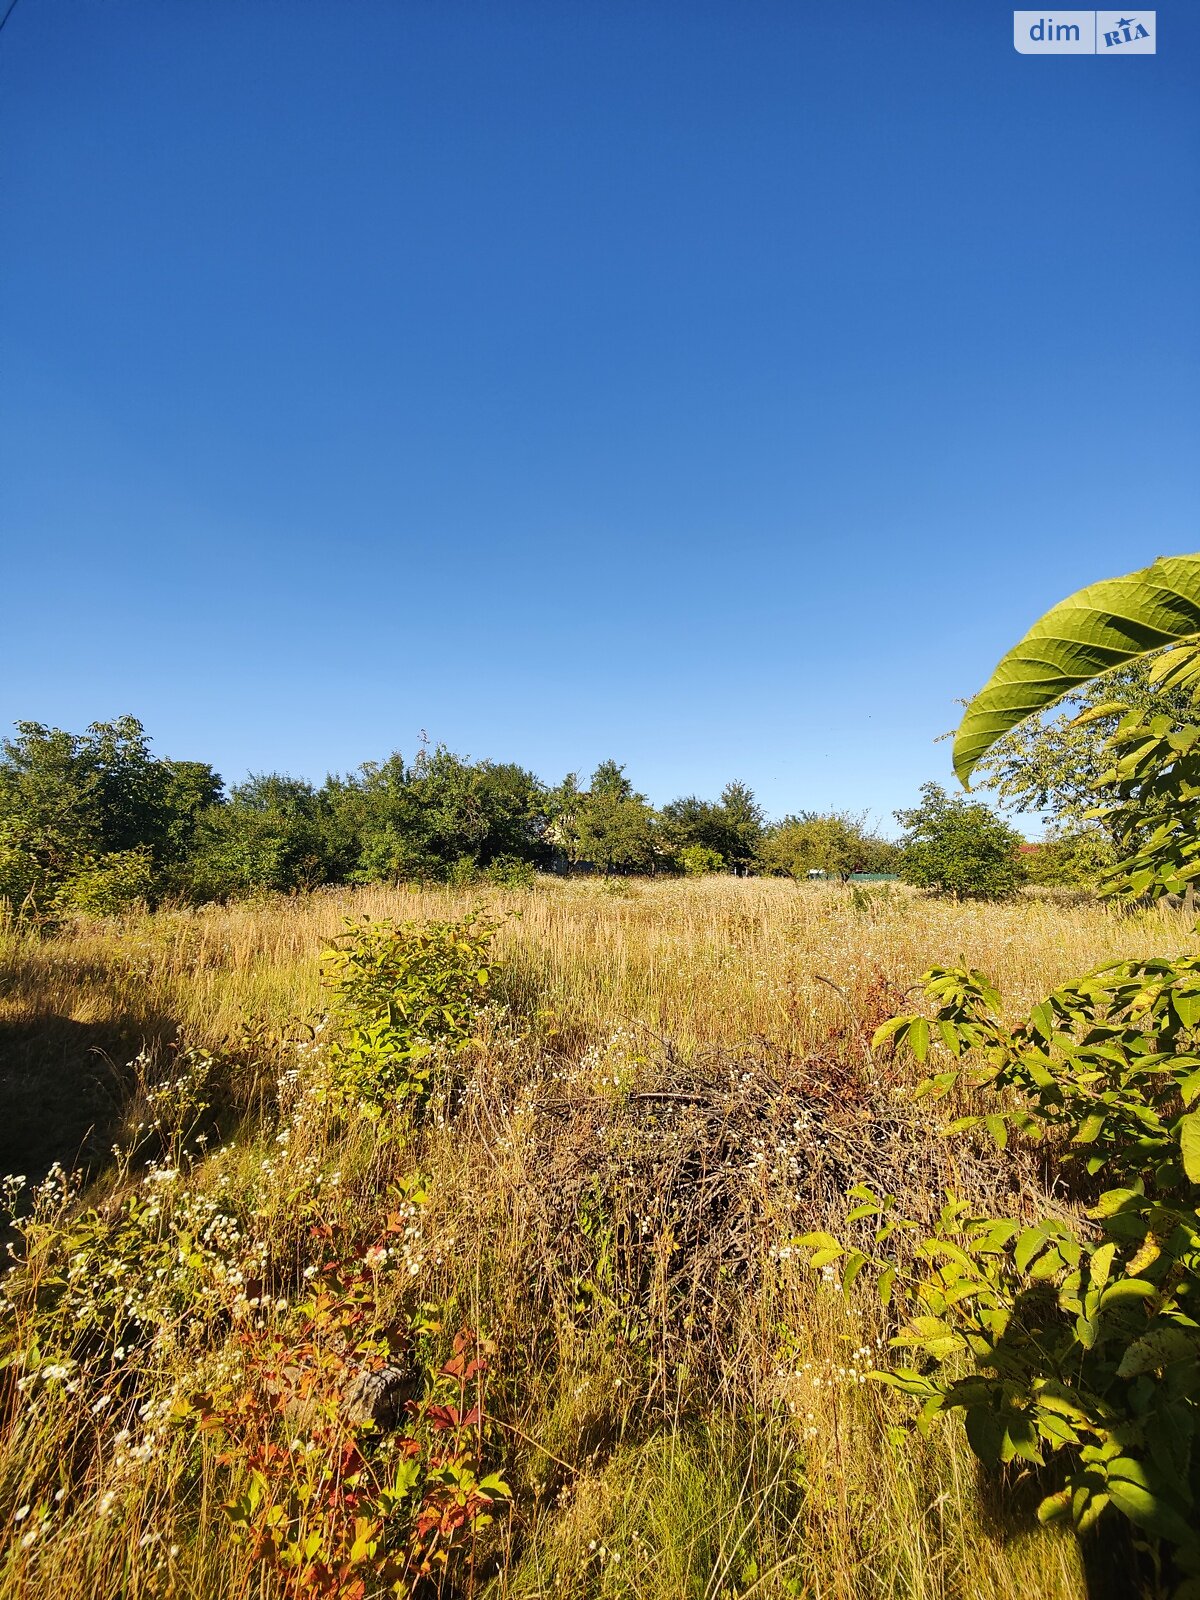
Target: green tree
x,y
482,811
1149,798
109,884
743,821
563,804
691,823
69,802
731,826
188,789
611,826
837,843
50,813
435,817
375,826
958,847
271,834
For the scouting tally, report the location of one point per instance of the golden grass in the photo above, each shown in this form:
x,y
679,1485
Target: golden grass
x,y
708,961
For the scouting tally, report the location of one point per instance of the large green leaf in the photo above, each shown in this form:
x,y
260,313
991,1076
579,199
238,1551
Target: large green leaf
x,y
1093,631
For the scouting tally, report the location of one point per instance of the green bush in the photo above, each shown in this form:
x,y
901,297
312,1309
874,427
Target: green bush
x,y
1073,1347
407,997
837,844
462,872
107,885
510,872
1077,859
697,860
268,838
1080,1343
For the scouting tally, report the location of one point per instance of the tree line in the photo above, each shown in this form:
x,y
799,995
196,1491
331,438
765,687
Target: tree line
x,y
96,821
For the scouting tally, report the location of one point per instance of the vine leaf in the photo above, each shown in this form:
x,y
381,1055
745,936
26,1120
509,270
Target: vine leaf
x,y
1089,633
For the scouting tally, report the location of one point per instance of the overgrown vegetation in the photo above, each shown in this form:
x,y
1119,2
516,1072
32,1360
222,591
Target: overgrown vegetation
x,y
615,1143
957,846
406,1000
1072,1346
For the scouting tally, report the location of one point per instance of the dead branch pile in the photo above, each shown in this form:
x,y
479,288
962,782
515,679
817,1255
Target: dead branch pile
x,y
657,1211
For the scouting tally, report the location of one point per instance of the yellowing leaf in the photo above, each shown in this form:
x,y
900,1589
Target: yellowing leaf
x,y
1189,1144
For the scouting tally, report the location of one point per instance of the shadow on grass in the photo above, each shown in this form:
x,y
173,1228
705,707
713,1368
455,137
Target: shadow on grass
x,y
65,1087
1113,1567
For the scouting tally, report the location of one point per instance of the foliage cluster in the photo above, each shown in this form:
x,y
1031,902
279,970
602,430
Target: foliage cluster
x,y
611,826
959,847
732,828
96,823
1073,1348
117,1287
837,844
319,1492
1072,858
1084,1343
406,1000
88,821
1113,770
698,860
1054,764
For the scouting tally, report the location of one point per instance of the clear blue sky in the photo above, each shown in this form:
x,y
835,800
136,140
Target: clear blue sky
x,y
719,386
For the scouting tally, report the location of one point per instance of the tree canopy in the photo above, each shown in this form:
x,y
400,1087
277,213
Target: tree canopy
x,y
836,843
956,846
1053,765
96,821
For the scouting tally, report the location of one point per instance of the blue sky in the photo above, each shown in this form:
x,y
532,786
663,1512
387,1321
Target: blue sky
x,y
719,386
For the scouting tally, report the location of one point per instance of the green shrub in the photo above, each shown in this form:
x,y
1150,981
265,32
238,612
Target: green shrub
x,y
107,885
697,860
407,997
1073,1348
510,872
1082,1342
462,872
1077,859
836,844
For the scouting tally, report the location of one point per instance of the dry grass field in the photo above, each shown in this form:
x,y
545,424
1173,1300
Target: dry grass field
x,y
670,1083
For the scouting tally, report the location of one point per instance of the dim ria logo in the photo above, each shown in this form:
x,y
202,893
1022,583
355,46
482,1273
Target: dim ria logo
x,y
1084,33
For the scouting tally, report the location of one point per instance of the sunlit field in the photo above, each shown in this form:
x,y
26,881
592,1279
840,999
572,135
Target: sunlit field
x,y
670,1081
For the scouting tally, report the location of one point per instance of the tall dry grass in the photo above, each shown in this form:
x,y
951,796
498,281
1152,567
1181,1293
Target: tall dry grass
x,y
676,1085
713,960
